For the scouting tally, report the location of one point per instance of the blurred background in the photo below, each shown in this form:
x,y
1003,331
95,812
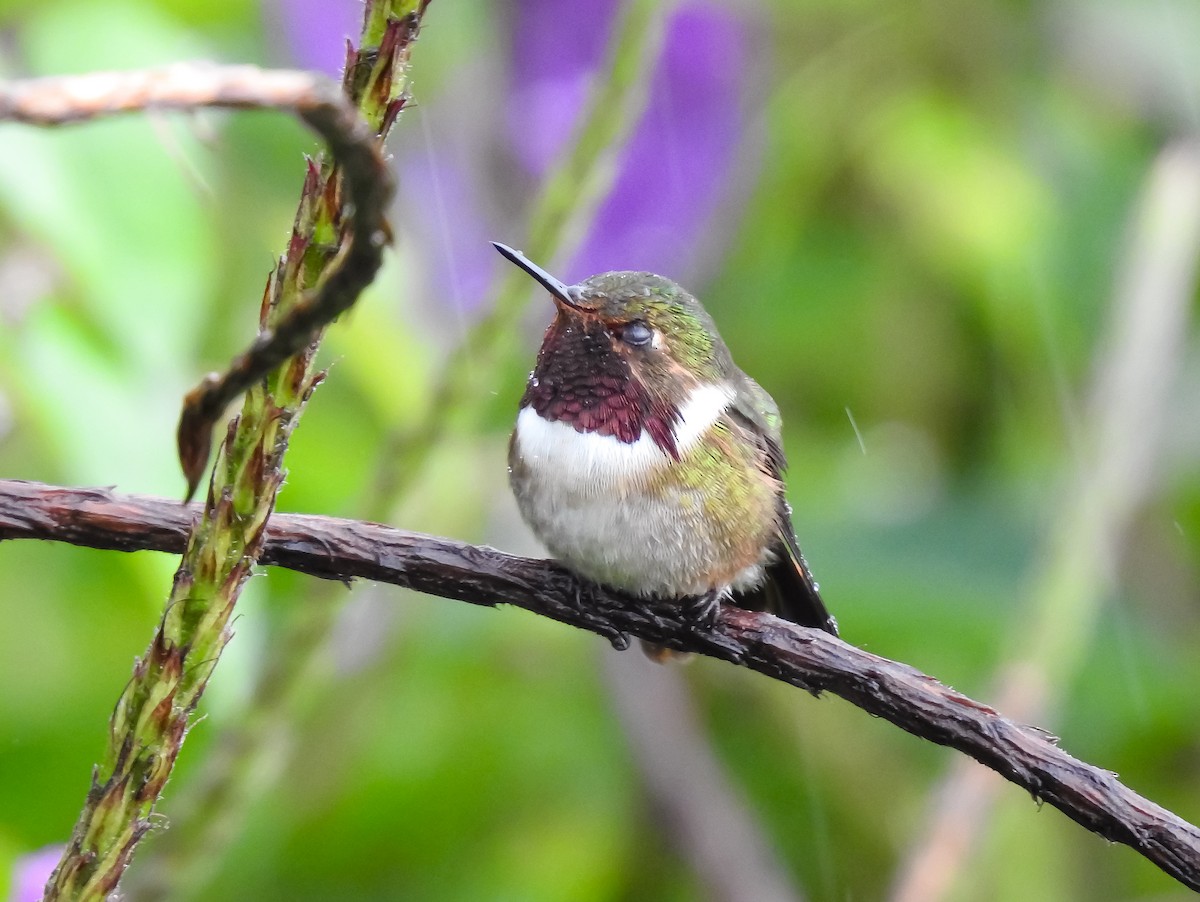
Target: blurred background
x,y
956,240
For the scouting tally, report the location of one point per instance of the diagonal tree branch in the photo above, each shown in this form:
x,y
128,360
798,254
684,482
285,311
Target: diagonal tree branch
x,y
810,659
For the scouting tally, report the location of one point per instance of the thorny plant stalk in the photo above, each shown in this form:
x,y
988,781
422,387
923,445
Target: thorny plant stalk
x,y
153,713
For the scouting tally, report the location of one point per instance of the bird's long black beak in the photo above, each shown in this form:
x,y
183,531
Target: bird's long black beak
x,y
560,291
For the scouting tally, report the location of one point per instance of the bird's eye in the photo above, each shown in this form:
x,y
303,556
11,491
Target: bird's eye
x,y
637,333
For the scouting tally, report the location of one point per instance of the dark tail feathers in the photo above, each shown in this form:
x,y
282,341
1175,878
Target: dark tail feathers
x,y
790,592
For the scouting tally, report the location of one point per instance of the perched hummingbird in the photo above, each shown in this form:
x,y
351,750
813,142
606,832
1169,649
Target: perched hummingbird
x,y
645,460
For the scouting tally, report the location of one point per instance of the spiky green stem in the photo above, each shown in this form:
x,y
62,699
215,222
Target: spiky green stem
x,y
153,712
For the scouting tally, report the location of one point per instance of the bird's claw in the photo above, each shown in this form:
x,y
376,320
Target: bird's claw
x,y
586,604
701,611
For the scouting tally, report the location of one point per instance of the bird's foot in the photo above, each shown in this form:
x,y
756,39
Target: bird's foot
x,y
586,603
701,611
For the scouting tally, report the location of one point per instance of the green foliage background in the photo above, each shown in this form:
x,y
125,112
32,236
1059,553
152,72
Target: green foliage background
x,y
960,179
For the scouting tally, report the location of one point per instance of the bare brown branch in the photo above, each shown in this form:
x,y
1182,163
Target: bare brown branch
x,y
323,106
810,659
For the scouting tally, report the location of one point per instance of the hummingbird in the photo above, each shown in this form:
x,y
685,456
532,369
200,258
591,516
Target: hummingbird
x,y
646,461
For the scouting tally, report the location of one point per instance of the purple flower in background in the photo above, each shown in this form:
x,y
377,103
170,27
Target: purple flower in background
x,y
30,873
556,46
316,32
472,156
676,164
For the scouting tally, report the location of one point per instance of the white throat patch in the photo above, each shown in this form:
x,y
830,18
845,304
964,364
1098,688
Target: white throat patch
x,y
587,461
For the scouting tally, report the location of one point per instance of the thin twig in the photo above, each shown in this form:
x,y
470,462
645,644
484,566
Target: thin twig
x,y
810,659
317,101
705,818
